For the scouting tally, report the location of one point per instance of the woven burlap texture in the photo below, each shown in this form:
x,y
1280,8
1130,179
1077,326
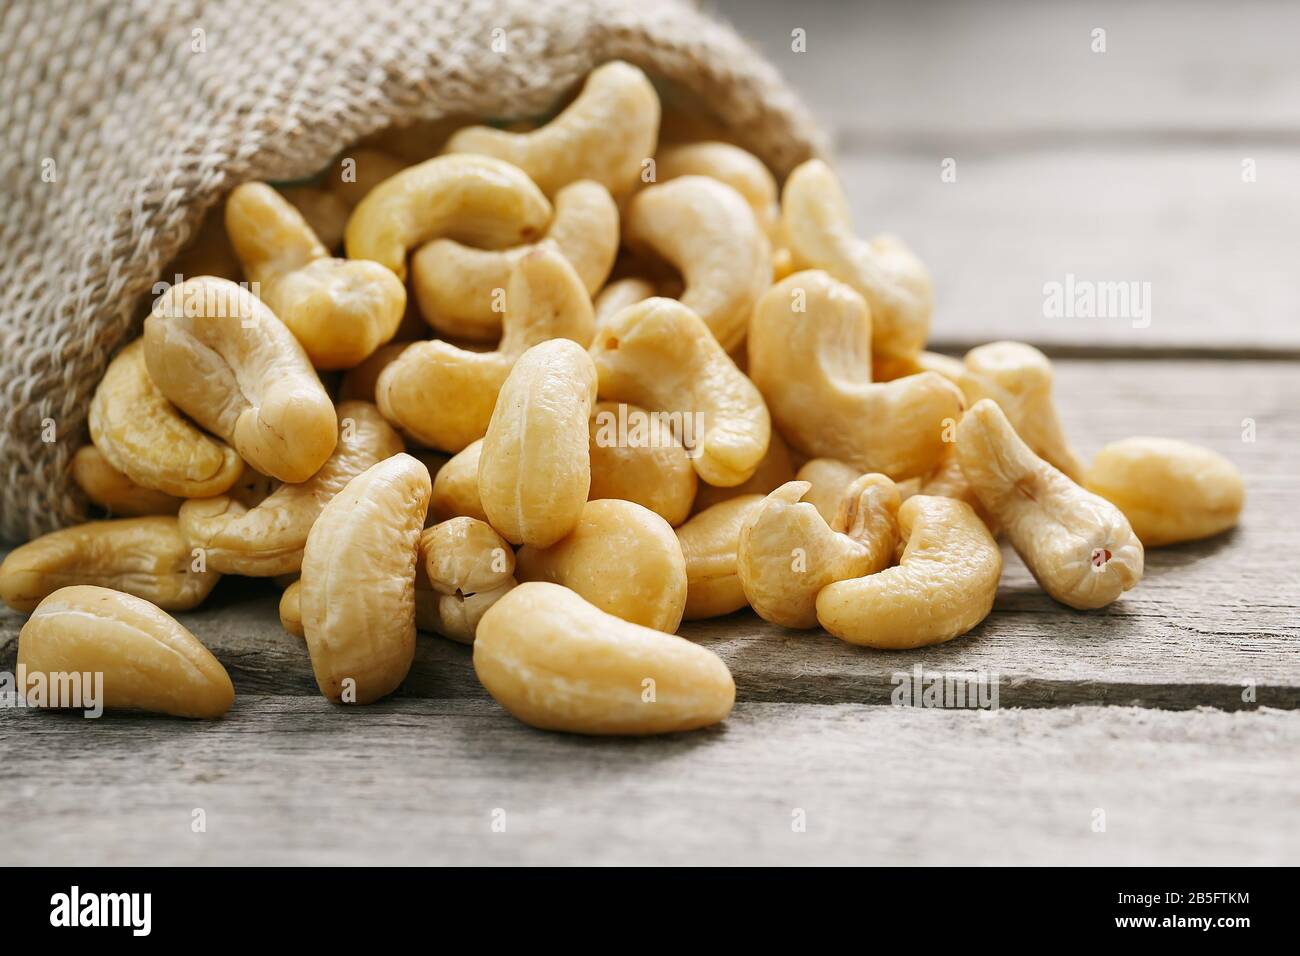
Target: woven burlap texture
x,y
122,123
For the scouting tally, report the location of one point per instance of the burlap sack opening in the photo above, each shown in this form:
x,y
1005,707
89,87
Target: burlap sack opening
x,y
124,122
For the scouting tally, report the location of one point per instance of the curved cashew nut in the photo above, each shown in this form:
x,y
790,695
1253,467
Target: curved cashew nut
x,y
658,354
708,232
291,609
815,220
341,310
226,361
457,286
444,395
949,481
787,553
709,543
809,354
455,486
465,556
605,134
534,471
1078,546
476,199
114,491
943,585
828,481
776,468
268,539
143,436
635,456
741,170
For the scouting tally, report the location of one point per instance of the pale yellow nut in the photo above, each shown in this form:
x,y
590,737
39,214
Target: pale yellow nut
x,y
606,134
618,295
949,481
358,582
326,214
460,288
623,558
635,456
708,232
358,383
455,487
1169,490
776,468
534,470
810,356
114,491
291,609
443,395
896,286
474,199
787,552
465,555
1079,546
828,480
943,585
886,368
147,557
1019,378
782,264
556,661
341,310
268,538
359,171
225,360
741,170
146,438
457,616
149,662
710,541
658,354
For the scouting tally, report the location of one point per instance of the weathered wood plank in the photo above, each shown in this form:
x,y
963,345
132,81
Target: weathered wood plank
x,y
294,780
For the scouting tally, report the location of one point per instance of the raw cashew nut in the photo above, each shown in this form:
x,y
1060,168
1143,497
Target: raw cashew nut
x,y
1019,378
810,356
635,456
828,481
815,220
465,556
787,553
708,232
114,491
1079,546
341,310
147,557
623,558
534,471
475,199
457,616
457,286
943,585
268,538
605,134
557,662
776,468
949,481
455,487
1169,490
226,361
658,354
618,295
742,171
443,395
358,581
149,662
710,541
291,609
143,436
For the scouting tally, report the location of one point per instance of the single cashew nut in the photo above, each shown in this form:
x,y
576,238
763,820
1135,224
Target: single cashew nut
x,y
742,171
557,662
1169,491
658,354
226,361
477,200
268,538
114,491
444,395
618,295
147,557
815,220
708,232
341,310
810,356
776,468
787,552
635,456
710,542
291,609
459,288
1079,546
534,471
606,134
623,558
149,662
457,616
465,556
143,436
949,481
455,487
828,481
358,581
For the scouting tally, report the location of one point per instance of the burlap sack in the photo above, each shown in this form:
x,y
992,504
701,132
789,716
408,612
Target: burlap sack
x,y
123,122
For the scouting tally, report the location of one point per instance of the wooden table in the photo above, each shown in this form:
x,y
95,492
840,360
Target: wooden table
x,y
1170,716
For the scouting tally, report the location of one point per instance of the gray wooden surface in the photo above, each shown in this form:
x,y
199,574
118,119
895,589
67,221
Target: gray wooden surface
x,y
1173,712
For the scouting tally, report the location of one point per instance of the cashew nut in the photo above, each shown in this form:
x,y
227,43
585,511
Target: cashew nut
x,y
710,541
949,481
828,482
455,486
741,170
557,662
618,295
291,609
465,555
114,491
776,468
635,456
457,616
1079,546
605,134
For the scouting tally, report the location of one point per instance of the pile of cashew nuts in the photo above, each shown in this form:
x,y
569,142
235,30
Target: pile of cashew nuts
x,y
564,388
